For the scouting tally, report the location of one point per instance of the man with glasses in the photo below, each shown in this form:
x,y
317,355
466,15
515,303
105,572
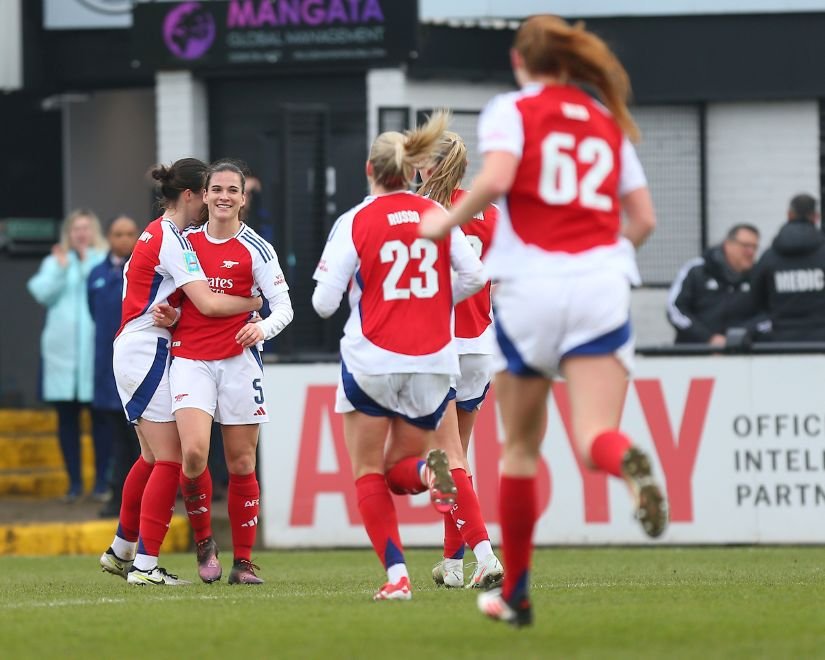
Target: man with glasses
x,y
711,293
788,283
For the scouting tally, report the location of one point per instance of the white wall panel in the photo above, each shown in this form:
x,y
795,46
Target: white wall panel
x,y
182,117
108,147
11,41
671,153
758,156
391,88
438,9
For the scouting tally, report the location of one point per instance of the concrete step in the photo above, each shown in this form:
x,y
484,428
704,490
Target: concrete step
x,y
39,450
31,462
79,538
30,420
41,482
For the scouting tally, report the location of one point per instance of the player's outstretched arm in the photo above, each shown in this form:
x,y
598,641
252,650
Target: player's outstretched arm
x,y
495,179
210,303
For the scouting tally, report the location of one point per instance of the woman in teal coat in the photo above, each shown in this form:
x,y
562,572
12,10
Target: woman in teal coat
x,y
67,342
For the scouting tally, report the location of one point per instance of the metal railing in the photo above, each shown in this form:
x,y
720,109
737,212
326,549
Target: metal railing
x,y
658,350
756,348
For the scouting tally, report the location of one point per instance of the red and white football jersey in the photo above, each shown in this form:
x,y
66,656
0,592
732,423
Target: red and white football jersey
x,y
574,166
236,266
473,317
162,261
400,291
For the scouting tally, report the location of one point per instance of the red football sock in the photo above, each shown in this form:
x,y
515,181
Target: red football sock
x,y
244,503
517,508
133,487
404,478
467,513
453,541
378,513
157,506
608,450
197,498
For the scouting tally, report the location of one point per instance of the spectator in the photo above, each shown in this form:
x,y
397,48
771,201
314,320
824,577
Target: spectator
x,y
67,343
105,296
711,293
789,280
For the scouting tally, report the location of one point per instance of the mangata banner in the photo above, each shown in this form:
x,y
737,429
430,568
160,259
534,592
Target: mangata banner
x,y
739,443
284,33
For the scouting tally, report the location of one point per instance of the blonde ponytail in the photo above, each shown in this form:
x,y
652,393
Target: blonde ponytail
x,y
449,165
394,157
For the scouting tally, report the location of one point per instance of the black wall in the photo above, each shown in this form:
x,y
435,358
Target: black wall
x,y
289,129
673,59
20,328
31,169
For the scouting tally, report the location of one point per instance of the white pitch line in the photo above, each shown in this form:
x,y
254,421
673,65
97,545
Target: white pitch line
x,y
157,596
62,603
73,602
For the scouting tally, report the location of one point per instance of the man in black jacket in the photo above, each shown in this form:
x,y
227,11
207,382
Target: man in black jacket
x,y
711,293
789,280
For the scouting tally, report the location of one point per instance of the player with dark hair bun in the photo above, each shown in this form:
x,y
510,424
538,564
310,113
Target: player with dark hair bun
x,y
162,262
217,372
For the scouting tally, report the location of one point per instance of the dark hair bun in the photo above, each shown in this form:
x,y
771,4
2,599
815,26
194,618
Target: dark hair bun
x,y
161,173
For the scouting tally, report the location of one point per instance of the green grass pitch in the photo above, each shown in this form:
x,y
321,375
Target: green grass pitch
x,y
589,603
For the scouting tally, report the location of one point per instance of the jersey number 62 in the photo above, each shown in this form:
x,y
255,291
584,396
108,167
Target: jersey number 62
x,y
561,159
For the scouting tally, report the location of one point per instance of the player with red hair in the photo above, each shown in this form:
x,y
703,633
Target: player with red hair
x,y
565,171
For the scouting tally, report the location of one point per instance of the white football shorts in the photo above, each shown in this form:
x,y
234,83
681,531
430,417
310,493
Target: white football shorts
x,y
541,321
472,384
231,389
420,399
141,366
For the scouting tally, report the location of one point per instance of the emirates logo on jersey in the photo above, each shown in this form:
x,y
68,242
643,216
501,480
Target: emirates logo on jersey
x,y
220,284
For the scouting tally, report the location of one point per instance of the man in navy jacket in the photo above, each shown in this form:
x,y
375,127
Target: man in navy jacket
x,y
105,294
789,280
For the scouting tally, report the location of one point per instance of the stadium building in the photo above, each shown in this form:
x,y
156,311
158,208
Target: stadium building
x,y
97,91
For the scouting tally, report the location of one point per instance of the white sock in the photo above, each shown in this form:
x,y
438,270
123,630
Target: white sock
x,y
145,562
124,549
396,572
483,550
424,474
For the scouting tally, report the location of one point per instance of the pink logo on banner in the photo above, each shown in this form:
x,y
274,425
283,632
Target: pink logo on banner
x,y
189,30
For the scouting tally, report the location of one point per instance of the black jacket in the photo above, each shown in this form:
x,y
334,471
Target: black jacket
x,y
708,297
789,283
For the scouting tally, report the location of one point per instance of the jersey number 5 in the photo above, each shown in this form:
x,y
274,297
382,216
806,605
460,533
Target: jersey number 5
x,y
399,255
561,159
